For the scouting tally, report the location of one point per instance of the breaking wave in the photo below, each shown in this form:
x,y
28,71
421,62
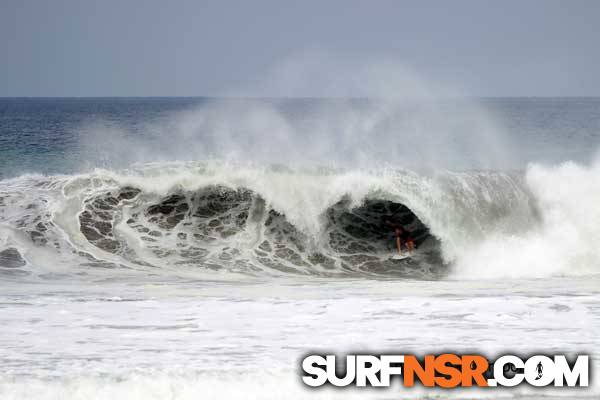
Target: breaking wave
x,y
221,219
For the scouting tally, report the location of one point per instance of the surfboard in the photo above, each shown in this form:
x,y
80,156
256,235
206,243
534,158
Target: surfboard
x,y
400,257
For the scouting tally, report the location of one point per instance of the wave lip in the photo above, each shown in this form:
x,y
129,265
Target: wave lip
x,y
195,218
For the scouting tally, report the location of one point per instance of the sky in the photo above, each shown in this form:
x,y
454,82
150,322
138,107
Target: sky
x,y
212,48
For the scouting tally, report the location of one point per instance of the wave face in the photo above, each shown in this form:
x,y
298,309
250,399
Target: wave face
x,y
218,219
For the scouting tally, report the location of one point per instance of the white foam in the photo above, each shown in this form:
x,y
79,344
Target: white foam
x,y
490,224
566,239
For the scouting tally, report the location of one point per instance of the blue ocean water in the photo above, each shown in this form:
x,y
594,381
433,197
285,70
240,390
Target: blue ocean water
x,y
43,134
47,135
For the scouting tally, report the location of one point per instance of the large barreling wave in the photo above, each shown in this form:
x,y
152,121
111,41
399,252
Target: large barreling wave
x,y
215,219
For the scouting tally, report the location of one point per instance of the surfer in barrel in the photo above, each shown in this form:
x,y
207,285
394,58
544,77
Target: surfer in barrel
x,y
402,235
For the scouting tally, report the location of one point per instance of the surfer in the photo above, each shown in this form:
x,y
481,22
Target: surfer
x,y
402,236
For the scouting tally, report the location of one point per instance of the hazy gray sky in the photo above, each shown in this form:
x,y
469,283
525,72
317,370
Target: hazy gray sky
x,y
190,48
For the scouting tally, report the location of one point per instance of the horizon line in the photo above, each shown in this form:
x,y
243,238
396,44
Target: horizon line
x,y
297,97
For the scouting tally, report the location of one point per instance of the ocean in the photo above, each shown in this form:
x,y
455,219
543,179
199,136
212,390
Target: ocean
x,y
185,248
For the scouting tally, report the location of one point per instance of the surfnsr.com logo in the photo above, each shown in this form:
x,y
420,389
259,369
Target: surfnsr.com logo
x,y
444,370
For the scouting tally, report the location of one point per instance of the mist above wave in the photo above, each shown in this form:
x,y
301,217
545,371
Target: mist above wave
x,y
326,112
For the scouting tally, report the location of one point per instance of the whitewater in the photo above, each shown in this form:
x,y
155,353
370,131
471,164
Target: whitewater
x,y
221,218
212,276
